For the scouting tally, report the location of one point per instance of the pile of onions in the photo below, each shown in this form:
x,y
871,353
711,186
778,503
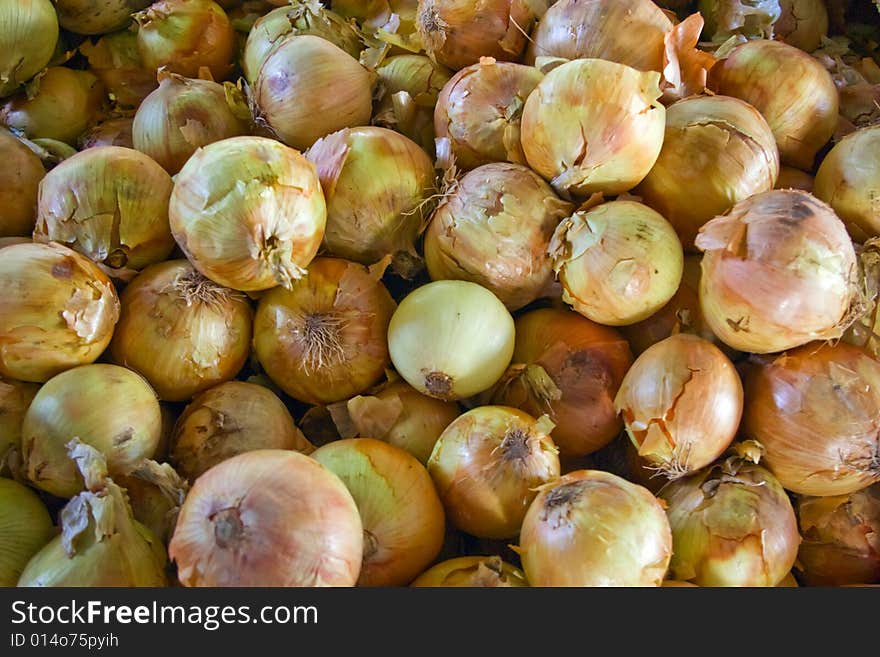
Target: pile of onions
x,y
20,179
592,528
268,518
109,203
308,87
593,126
732,525
754,18
15,397
27,41
58,310
402,516
618,263
816,411
569,368
494,228
231,419
181,331
681,402
325,339
89,17
25,527
487,466
377,184
112,132
717,151
778,272
451,339
790,88
481,572
115,59
248,212
155,493
185,35
803,23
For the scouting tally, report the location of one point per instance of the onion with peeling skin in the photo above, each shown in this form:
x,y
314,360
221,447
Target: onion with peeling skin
x,y
91,17
27,41
25,527
20,179
268,518
747,18
803,23
115,59
112,132
482,572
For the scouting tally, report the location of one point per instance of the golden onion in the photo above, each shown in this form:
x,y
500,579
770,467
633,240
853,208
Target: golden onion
x,y
112,132
91,17
482,572
20,179
115,59
803,23
25,527
27,41
752,18
791,178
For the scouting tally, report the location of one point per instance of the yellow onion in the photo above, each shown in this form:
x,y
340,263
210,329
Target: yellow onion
x,y
791,178
593,126
480,110
377,184
451,339
717,151
15,397
155,493
748,18
487,466
181,331
592,528
816,412
397,414
791,90
58,311
618,263
115,59
325,339
732,525
308,87
109,203
91,17
186,35
778,272
268,518
25,527
803,23
248,212
61,104
841,538
112,132
401,514
101,544
27,41
681,403
494,228
231,419
473,572
20,178
569,368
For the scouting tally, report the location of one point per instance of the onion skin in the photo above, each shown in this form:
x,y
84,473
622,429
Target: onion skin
x,y
115,59
791,178
749,18
592,528
816,411
483,572
494,229
19,181
155,492
803,23
90,17
25,527
268,518
112,132
27,41
59,311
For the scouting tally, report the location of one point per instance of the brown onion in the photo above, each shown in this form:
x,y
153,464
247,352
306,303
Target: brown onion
x,y
791,178
483,572
20,178
115,59
91,17
803,23
112,132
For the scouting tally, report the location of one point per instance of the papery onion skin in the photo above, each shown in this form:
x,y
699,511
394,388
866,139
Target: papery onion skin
x,y
15,397
803,23
58,311
20,179
268,518
791,90
747,18
90,17
25,527
470,334
112,132
585,135
115,59
483,572
27,41
109,203
181,331
816,411
248,212
230,419
494,228
155,492
592,528
791,178
778,272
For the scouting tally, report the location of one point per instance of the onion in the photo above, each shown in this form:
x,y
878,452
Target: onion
x,y
231,419
20,178
681,402
480,110
778,272
377,184
248,212
494,228
109,203
593,126
308,88
91,17
618,263
155,493
186,35
788,581
841,536
268,518
732,525
791,90
791,178
28,34
570,368
52,152
112,132
372,13
58,311
816,411
469,336
482,572
592,528
115,59
717,151
749,18
803,23
25,527
15,397
181,331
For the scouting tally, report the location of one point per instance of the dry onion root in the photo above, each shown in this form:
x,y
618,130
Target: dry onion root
x,y
483,572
